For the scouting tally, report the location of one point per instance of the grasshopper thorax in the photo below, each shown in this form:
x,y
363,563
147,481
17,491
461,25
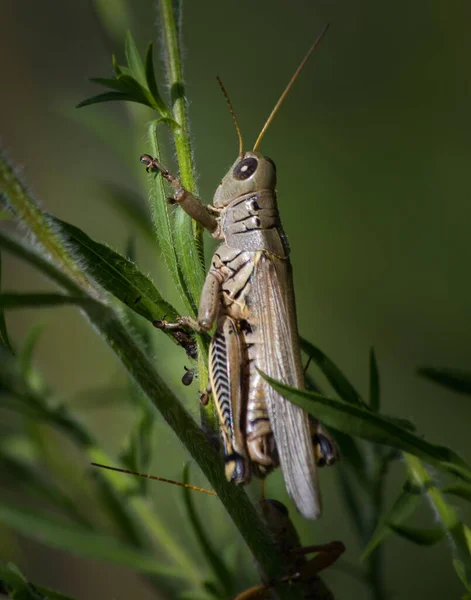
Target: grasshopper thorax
x,y
251,172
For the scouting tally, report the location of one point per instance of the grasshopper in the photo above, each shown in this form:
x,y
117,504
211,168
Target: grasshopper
x,y
248,293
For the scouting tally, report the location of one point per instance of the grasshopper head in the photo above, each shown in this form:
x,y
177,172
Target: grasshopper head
x,y
250,173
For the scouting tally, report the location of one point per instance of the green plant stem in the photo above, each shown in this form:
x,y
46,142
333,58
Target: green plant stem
x,y
375,560
188,233
459,535
177,93
140,367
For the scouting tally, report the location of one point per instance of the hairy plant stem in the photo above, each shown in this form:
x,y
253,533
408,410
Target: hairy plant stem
x,y
458,534
188,233
375,560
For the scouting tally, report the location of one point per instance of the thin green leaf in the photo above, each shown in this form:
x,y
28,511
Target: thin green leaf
x,y
134,59
333,374
35,482
169,122
51,594
136,454
118,275
459,534
220,571
26,356
404,506
106,97
76,540
5,215
15,584
453,379
419,536
353,456
114,83
374,383
4,338
139,91
460,490
162,223
358,421
351,499
13,301
116,68
152,84
461,572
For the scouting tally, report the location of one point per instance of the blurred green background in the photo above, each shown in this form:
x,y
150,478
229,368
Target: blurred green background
x,y
372,148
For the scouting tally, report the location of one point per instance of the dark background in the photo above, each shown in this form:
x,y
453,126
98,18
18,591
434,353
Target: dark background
x,y
372,148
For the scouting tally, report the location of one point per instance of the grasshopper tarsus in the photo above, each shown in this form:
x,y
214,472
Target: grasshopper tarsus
x,y
152,164
179,332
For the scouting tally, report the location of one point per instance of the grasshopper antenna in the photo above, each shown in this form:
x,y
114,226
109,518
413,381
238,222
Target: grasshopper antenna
x,y
289,86
145,475
231,108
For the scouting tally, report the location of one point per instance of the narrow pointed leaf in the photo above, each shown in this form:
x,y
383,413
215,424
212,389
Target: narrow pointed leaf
x,y
4,338
333,374
404,506
351,498
458,534
416,535
116,67
453,379
361,422
152,84
161,220
106,97
134,59
13,582
5,215
51,594
114,83
461,572
27,351
213,558
460,491
135,88
77,540
169,122
352,455
118,275
374,383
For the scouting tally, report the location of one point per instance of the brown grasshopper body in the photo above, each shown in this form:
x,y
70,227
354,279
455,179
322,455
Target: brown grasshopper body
x,y
249,294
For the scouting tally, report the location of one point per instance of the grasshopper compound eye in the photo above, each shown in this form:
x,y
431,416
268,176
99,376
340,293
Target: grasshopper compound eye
x,y
245,168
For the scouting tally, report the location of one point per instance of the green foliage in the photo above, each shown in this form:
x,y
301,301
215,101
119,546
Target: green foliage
x,y
133,83
13,583
4,339
118,275
453,379
98,280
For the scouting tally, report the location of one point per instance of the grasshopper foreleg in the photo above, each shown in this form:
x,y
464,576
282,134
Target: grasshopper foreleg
x,y
190,204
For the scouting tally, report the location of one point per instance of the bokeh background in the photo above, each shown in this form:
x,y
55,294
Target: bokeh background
x,y
373,152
